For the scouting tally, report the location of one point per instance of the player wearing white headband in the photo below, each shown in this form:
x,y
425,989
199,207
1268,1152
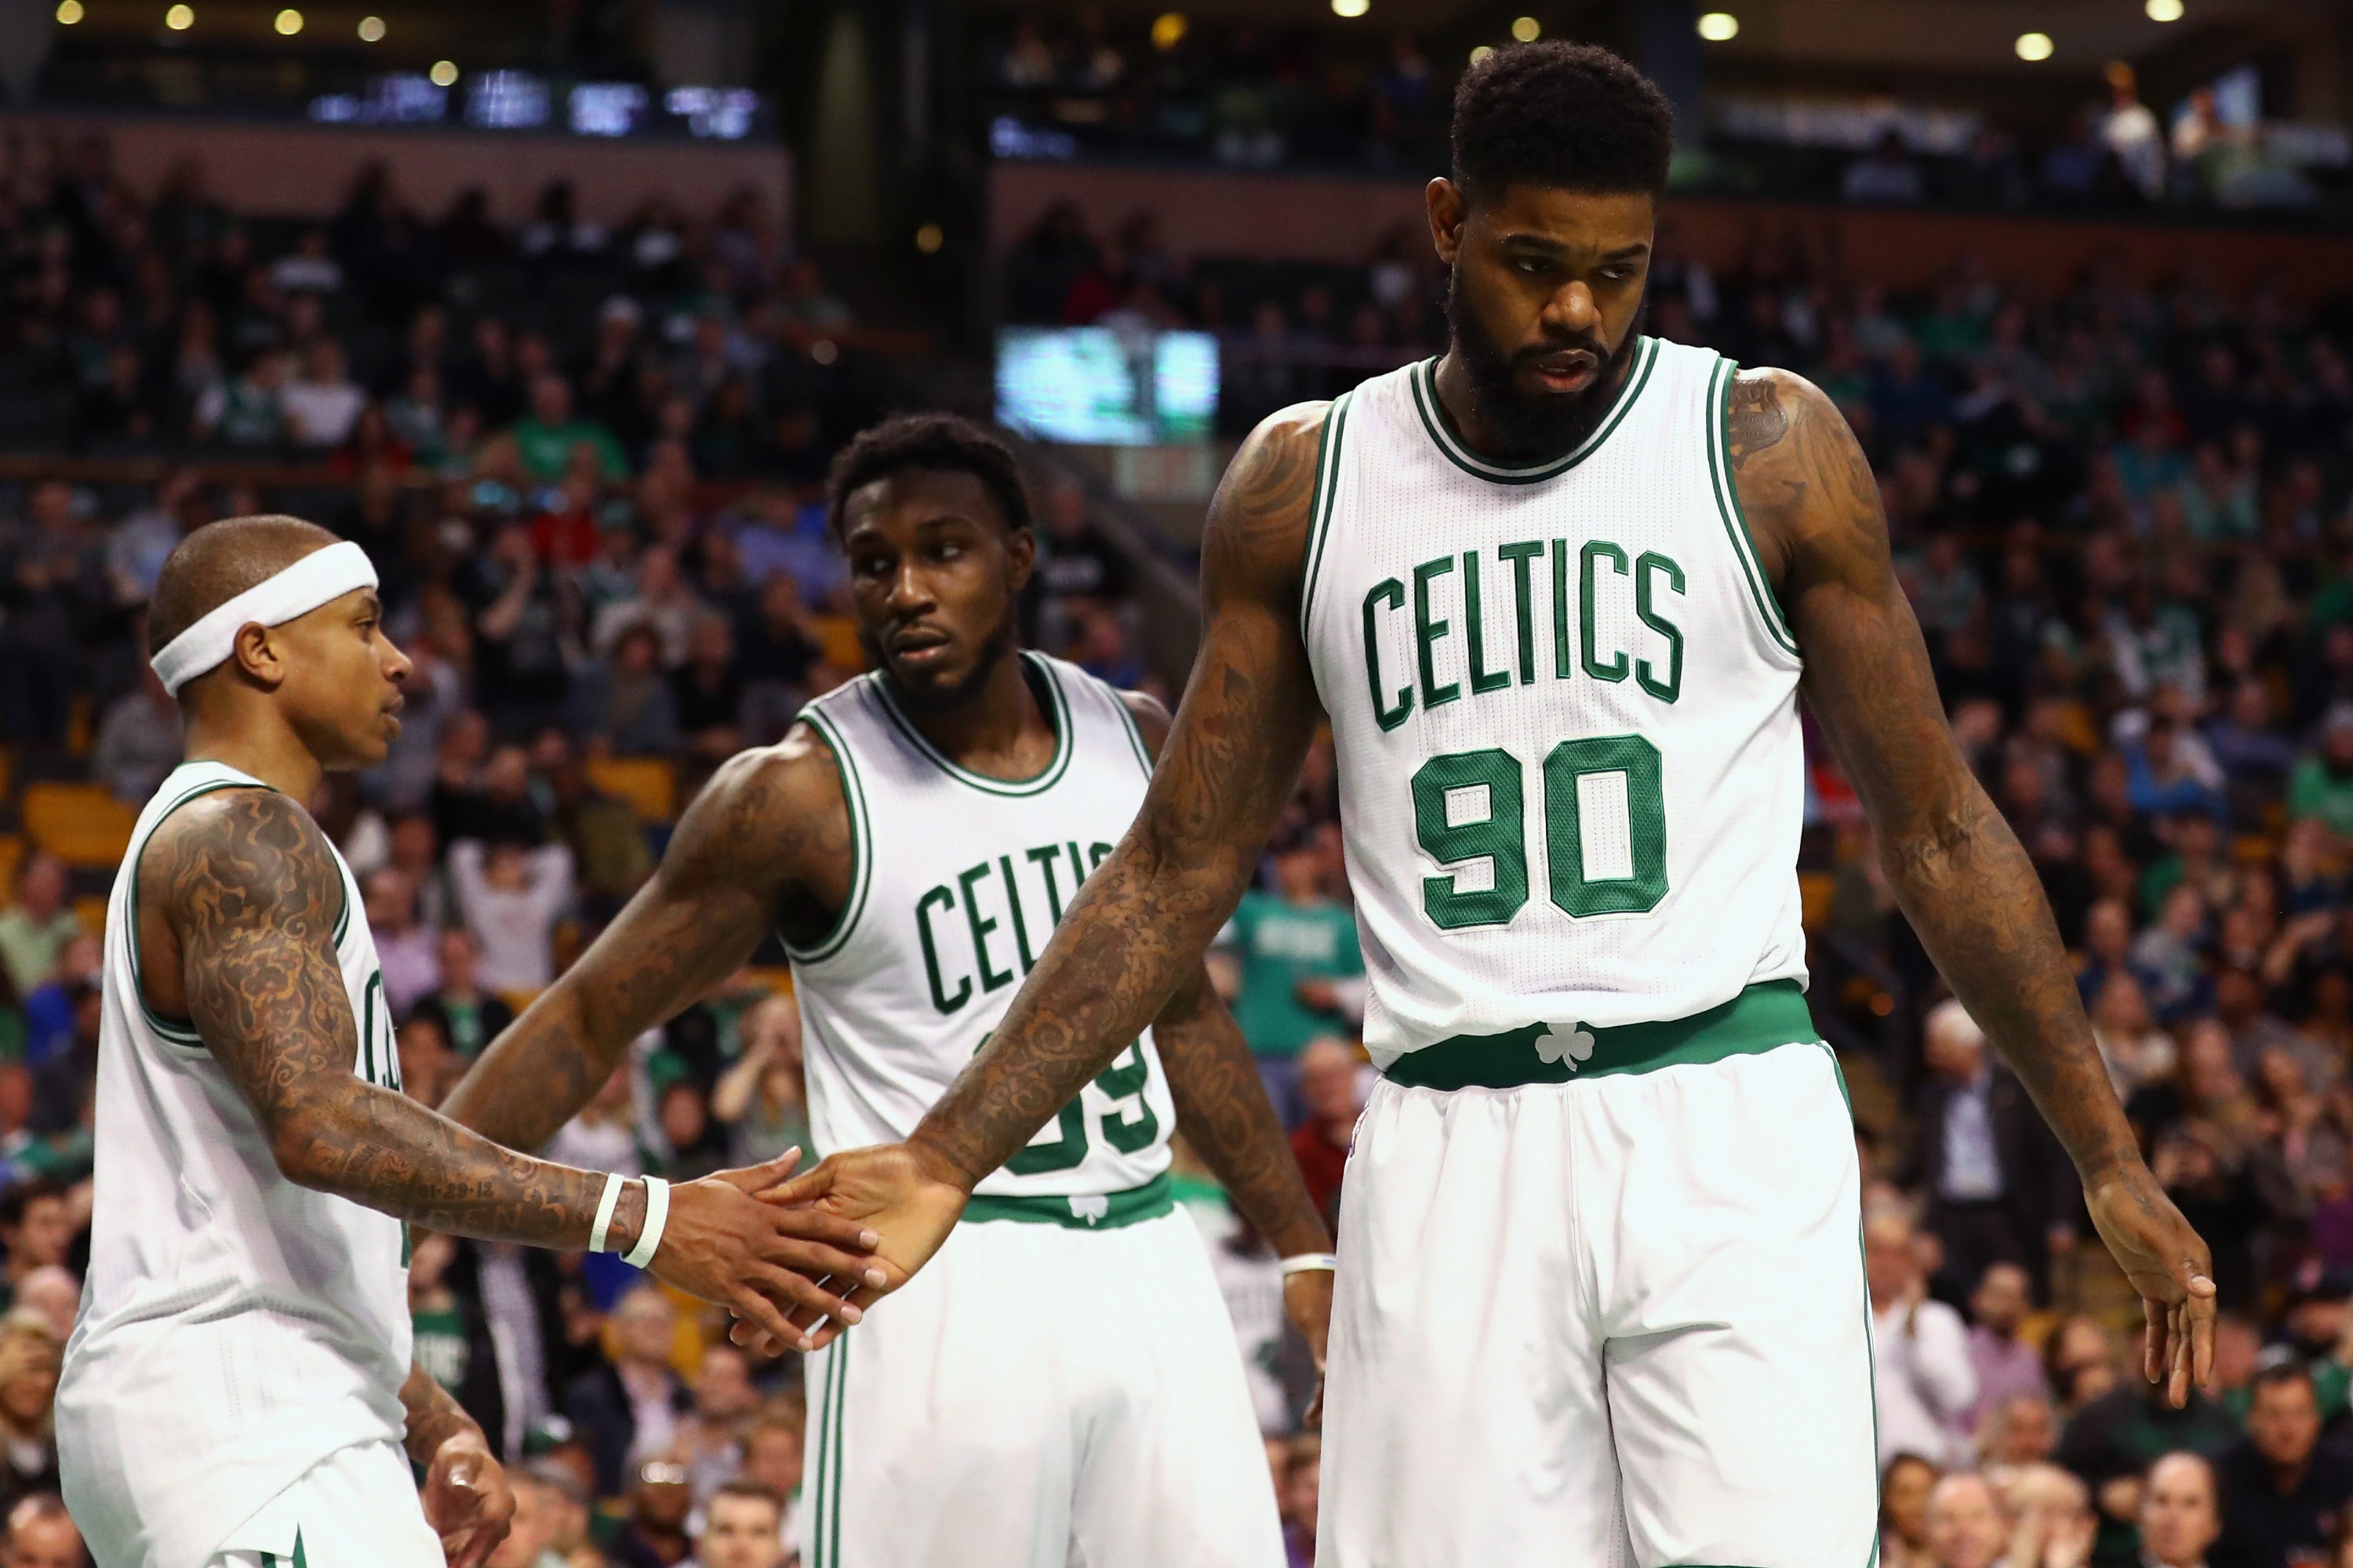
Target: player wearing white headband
x,y
239,1389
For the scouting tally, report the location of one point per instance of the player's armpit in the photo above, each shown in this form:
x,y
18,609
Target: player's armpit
x,y
1226,768
767,842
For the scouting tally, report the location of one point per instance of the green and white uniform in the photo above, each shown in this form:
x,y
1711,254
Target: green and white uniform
x,y
234,1380
1062,1383
1564,704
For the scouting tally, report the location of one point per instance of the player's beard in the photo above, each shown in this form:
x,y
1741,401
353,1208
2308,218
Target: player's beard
x,y
996,646
1548,424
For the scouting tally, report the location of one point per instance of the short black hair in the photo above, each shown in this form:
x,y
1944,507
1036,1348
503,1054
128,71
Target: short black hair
x,y
1572,116
220,561
940,443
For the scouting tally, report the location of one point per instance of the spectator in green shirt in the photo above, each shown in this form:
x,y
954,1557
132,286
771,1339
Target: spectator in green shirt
x,y
36,927
545,437
1290,948
2322,785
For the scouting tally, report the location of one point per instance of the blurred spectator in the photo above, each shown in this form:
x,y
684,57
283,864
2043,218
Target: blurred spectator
x,y
2280,1490
138,741
2132,134
654,1534
37,1222
405,950
52,1291
2000,1189
761,1100
2321,787
1291,945
1885,174
468,1016
31,1351
742,1527
723,1400
1921,1374
2021,1430
324,402
427,1070
1298,1497
41,1534
1328,1094
628,1410
531,1533
511,897
1907,1482
2007,1367
775,1450
2179,1520
1966,1526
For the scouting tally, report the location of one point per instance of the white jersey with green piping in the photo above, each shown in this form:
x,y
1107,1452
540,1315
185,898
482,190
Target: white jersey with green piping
x,y
959,880
1564,704
236,1328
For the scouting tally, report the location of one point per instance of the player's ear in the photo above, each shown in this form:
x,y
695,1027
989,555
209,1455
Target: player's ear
x,y
259,653
1020,556
1446,209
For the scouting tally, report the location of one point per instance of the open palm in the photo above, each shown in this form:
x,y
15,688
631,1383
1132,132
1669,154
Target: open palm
x,y
883,1188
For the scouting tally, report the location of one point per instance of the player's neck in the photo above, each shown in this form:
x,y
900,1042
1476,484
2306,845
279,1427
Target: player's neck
x,y
999,731
259,744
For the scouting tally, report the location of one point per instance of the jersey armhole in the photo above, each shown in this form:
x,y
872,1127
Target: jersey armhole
x,y
1319,513
182,1032
861,853
1719,420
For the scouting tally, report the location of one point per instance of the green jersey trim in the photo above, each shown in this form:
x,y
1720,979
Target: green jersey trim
x,y
1319,513
1735,515
861,838
824,1496
1423,378
1081,1211
1135,730
1764,1017
1037,785
174,1032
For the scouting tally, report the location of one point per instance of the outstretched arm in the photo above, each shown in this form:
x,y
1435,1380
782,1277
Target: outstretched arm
x,y
1958,873
759,845
247,887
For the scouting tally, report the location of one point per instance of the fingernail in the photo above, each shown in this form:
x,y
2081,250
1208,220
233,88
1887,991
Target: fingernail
x,y
868,1238
849,1314
875,1276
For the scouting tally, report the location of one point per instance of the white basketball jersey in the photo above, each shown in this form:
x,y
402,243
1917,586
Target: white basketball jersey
x,y
959,881
236,1328
1564,704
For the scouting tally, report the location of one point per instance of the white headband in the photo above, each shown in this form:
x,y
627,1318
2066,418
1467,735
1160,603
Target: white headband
x,y
318,578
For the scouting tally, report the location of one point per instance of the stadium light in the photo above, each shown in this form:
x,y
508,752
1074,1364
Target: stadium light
x,y
1527,29
180,18
1168,29
1481,53
2163,10
444,73
2033,48
1719,27
929,238
1351,7
371,29
68,12
289,22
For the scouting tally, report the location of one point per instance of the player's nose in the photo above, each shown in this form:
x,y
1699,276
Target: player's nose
x,y
1571,307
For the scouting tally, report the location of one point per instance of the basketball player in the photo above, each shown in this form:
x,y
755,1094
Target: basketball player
x,y
1600,1298
238,1389
1063,1385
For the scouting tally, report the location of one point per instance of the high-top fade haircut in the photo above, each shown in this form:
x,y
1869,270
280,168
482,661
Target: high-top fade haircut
x,y
1571,116
937,443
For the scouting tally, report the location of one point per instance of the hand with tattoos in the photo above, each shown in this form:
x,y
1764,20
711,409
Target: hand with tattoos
x,y
238,898
466,1499
1957,870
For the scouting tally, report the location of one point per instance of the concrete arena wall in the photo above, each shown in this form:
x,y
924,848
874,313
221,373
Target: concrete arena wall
x,y
303,170
1340,218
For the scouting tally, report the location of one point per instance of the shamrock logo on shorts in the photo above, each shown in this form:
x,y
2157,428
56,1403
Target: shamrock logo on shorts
x,y
1090,1207
1571,1043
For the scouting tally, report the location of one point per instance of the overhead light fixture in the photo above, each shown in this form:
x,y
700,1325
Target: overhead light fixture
x,y
2033,48
929,238
444,73
1168,29
2163,10
68,12
289,22
1527,29
1481,53
1351,7
371,29
1719,27
180,18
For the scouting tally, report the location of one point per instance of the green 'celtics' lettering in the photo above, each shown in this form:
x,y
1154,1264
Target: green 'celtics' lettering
x,y
1427,632
991,978
941,1000
1474,626
1597,550
1391,592
983,918
1523,602
1646,607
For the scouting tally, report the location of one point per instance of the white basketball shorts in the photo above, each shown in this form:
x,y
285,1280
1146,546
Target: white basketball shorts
x,y
357,1508
1042,1394
1618,1321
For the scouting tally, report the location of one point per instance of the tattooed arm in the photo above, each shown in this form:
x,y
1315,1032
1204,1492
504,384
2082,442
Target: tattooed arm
x,y
466,1499
766,843
1958,873
1138,928
244,895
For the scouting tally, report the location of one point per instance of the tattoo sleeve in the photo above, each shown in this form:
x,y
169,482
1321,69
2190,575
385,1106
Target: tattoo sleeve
x,y
732,869
1223,1111
1958,873
252,892
434,1417
1138,928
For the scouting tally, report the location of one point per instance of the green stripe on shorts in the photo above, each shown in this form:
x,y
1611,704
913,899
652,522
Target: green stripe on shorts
x,y
1767,1015
1097,1212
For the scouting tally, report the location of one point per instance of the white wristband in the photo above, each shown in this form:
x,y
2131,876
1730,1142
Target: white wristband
x,y
605,1206
1306,1261
656,1215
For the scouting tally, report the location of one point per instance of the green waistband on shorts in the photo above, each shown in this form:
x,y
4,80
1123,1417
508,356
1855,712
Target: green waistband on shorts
x,y
1080,1211
1768,1014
